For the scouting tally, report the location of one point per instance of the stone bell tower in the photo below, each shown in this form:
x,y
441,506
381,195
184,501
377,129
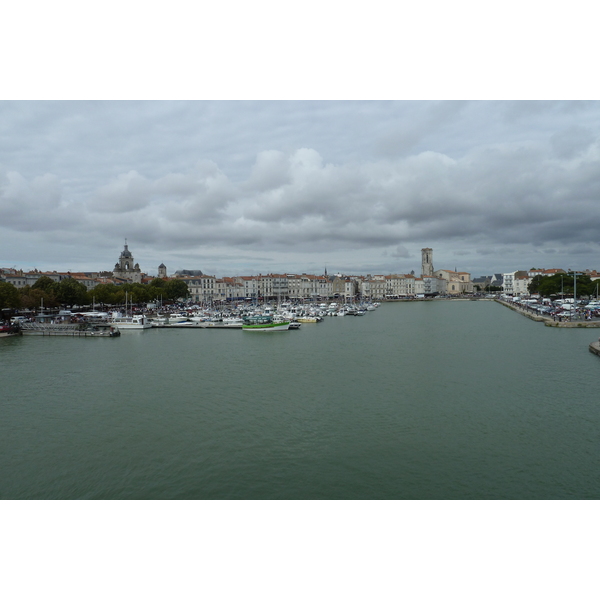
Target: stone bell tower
x,y
126,269
426,262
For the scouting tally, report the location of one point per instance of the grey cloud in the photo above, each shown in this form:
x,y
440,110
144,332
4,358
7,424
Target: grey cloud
x,y
303,178
401,252
411,129
571,142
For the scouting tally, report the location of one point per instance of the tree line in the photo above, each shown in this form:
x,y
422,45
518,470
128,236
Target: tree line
x,y
70,292
555,285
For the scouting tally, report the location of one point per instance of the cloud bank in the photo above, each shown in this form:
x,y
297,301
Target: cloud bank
x,y
534,195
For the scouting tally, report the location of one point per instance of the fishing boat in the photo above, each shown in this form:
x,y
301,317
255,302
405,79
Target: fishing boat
x,y
264,323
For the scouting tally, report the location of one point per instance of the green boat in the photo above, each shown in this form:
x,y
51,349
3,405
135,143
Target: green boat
x,y
264,323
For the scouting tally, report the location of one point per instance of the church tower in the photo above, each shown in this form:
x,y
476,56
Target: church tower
x,y
426,262
162,271
126,269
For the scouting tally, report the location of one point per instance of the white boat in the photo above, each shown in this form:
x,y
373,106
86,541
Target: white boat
x,y
233,322
135,322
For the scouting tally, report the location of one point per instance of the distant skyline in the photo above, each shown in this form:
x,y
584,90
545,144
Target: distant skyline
x,y
242,187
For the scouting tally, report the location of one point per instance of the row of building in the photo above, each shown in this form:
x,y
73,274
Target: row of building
x,y
207,288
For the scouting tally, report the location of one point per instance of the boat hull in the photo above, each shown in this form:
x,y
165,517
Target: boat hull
x,y
267,327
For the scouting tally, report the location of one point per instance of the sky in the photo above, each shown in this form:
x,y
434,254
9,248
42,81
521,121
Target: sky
x,y
283,152
246,187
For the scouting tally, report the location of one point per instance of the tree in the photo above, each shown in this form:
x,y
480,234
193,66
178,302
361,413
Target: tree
x,y
175,289
140,293
155,293
534,286
563,283
70,292
9,296
158,282
44,283
33,298
105,293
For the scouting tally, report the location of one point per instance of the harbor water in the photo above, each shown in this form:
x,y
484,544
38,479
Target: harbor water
x,y
420,400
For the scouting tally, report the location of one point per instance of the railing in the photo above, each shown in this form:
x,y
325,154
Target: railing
x,y
51,327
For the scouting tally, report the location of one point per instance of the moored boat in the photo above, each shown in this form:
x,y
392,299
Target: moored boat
x,y
9,330
126,323
264,323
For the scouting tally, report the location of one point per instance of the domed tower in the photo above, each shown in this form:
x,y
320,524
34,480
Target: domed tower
x,y
125,267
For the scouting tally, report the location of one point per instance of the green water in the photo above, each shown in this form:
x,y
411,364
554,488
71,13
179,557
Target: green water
x,y
412,401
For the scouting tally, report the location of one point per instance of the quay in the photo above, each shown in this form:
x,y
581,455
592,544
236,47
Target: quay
x,y
548,321
595,348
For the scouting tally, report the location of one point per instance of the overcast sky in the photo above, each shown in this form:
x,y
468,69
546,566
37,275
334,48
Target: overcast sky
x,y
234,187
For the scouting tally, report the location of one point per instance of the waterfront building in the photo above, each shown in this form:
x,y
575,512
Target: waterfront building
x,y
515,283
521,282
250,286
309,286
419,286
434,286
373,288
345,287
508,283
380,287
202,289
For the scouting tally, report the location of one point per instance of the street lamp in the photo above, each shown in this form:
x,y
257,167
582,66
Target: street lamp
x,y
575,273
562,296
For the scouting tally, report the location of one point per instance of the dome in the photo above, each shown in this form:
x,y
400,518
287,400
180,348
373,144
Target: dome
x,y
126,253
